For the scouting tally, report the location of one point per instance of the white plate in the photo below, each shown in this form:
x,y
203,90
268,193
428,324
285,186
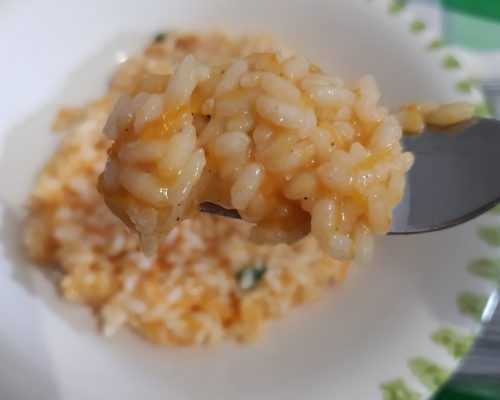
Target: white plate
x,y
364,332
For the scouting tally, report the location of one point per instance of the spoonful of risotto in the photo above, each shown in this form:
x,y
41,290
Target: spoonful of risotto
x,y
450,180
279,144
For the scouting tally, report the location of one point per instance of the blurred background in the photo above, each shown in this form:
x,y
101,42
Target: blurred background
x,y
472,28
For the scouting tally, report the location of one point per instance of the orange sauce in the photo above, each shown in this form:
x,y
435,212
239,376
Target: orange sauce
x,y
167,125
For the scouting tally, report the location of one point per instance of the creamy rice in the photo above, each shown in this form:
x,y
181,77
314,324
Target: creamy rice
x,y
414,117
206,282
294,150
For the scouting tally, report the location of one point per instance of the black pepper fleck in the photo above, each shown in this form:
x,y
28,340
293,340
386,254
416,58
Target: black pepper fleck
x,y
306,198
160,37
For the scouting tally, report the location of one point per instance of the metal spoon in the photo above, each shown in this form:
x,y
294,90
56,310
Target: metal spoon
x,y
456,177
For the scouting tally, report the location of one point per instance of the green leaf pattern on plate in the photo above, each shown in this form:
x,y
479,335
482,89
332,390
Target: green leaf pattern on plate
x,y
457,344
465,85
430,374
472,304
417,26
397,389
396,6
436,44
487,268
490,235
482,110
450,62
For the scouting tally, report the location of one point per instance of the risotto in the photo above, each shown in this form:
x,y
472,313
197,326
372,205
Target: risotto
x,y
206,282
414,117
292,149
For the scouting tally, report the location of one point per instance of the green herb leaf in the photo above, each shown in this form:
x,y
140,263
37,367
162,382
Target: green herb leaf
x,y
430,374
397,389
472,304
450,62
160,37
496,209
417,26
457,344
250,275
